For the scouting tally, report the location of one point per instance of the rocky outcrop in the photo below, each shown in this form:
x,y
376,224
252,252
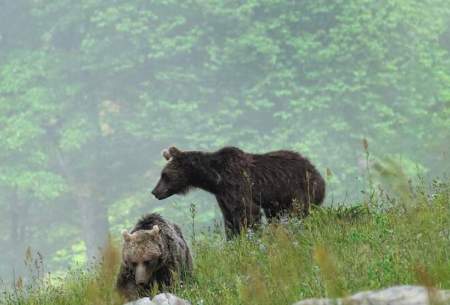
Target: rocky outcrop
x,y
398,295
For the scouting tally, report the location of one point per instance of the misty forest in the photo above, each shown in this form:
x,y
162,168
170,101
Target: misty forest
x,y
92,91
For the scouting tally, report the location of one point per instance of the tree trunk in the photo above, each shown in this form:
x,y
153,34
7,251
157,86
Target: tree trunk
x,y
94,224
14,229
18,213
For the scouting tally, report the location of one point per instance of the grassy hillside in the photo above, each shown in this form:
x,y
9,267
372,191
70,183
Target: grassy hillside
x,y
332,253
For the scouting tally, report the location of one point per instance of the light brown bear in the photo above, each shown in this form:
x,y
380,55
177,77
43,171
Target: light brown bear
x,y
154,252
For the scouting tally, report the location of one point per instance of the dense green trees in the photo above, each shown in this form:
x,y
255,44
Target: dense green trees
x,y
90,92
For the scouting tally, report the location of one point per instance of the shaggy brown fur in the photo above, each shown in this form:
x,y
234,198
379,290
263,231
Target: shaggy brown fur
x,y
279,182
152,252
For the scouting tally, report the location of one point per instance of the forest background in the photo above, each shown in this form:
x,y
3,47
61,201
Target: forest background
x,y
91,91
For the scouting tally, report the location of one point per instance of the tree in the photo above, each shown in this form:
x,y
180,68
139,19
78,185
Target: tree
x,y
90,92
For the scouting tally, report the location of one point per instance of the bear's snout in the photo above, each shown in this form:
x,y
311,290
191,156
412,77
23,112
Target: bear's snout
x,y
154,193
142,275
160,192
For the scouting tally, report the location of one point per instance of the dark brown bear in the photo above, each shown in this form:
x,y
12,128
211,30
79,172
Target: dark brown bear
x,y
153,252
279,182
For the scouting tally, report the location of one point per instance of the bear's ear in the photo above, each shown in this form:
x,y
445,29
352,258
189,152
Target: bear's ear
x,y
174,152
154,232
126,235
166,154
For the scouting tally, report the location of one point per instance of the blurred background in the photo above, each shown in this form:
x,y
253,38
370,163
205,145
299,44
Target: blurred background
x,y
91,91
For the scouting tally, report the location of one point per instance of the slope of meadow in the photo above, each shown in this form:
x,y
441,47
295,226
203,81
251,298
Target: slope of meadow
x,y
333,252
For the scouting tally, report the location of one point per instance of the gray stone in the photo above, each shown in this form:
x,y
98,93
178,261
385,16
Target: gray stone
x,y
398,295
169,299
142,301
160,299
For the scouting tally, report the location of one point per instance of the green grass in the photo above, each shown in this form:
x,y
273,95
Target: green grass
x,y
334,252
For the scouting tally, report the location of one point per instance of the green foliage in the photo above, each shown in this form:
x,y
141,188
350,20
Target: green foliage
x,y
43,185
91,91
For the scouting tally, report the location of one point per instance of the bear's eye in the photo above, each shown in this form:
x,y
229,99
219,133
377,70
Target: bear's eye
x,y
147,263
134,264
164,176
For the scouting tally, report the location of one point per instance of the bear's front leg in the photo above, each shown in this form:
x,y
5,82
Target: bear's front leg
x,y
232,225
126,285
233,214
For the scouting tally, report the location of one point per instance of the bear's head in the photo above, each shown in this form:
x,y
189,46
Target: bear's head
x,y
142,253
184,170
175,175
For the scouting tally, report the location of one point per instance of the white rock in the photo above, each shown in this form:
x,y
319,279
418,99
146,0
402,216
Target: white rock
x,y
160,299
142,301
169,299
398,295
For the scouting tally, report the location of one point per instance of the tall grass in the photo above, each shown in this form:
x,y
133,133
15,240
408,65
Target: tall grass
x,y
333,252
